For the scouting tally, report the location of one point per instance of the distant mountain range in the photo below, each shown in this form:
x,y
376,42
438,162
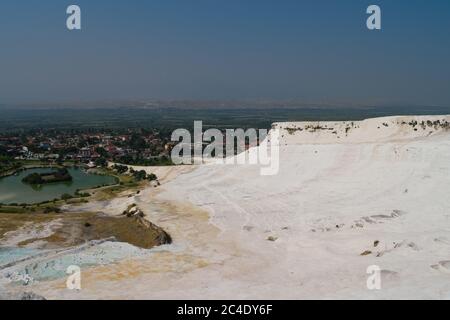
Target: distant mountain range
x,y
210,104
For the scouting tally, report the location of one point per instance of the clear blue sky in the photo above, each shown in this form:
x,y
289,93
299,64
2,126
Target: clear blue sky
x,y
313,50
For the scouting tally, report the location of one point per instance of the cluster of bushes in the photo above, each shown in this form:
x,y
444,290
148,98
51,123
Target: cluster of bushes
x,y
101,162
66,197
80,194
142,175
34,178
7,164
138,175
120,168
41,178
157,161
436,124
52,210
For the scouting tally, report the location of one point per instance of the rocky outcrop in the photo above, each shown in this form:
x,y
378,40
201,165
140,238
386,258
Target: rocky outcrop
x,y
133,211
161,238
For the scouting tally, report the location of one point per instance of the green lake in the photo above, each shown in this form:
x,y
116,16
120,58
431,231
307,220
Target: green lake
x,y
13,190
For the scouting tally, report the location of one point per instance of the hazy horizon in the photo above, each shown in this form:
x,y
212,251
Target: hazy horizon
x,y
214,104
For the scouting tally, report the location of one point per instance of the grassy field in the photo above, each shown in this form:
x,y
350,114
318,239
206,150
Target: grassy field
x,y
14,221
126,183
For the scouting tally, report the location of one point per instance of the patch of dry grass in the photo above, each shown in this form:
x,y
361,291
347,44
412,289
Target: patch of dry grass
x,y
78,228
14,221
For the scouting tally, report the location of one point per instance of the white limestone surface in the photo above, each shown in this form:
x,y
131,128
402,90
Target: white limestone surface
x,y
347,196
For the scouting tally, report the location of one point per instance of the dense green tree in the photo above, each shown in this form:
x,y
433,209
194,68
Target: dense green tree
x,y
120,168
140,175
102,152
101,162
137,142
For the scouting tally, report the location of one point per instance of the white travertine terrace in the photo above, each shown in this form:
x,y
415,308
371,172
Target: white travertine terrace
x,y
348,195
